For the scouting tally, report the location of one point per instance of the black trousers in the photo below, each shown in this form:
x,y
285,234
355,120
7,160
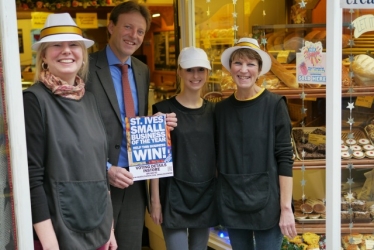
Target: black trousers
x,y
128,211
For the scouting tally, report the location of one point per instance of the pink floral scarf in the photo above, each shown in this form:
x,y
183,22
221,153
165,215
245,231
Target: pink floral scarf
x,y
62,88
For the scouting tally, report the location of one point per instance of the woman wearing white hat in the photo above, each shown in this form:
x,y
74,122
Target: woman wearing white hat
x,y
66,145
184,205
254,155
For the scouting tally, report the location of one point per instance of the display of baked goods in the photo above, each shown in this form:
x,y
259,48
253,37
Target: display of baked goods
x,y
358,241
304,149
298,14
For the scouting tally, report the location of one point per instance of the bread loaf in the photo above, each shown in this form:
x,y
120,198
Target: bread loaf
x,y
317,205
278,43
320,37
282,73
309,37
271,39
293,41
363,69
345,40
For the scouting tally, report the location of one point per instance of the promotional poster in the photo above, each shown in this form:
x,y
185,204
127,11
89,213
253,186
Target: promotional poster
x,y
149,147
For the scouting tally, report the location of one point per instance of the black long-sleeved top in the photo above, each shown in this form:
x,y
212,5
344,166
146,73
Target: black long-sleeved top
x,y
254,149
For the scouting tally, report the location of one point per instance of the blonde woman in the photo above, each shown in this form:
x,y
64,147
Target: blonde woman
x,y
66,145
184,204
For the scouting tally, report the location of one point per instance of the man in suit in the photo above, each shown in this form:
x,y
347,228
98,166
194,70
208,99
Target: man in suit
x,y
129,21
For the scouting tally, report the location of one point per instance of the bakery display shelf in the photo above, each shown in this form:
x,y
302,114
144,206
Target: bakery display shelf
x,y
343,221
320,92
321,164
320,228
311,221
290,26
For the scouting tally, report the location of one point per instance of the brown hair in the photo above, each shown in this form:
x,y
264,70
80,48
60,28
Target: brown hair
x,y
128,7
40,53
246,53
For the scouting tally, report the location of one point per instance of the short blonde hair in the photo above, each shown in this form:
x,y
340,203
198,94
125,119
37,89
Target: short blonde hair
x,y
40,53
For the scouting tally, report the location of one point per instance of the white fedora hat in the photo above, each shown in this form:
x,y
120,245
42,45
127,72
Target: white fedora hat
x,y
61,28
191,57
247,43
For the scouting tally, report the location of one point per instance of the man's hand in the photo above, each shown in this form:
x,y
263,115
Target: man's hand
x,y
120,177
171,120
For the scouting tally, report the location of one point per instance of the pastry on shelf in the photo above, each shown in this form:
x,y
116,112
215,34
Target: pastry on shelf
x,y
298,14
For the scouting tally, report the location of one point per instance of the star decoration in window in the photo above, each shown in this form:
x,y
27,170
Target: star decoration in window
x,y
351,58
351,11
303,167
350,166
350,121
351,74
351,241
350,105
303,154
349,196
208,12
303,182
350,210
264,41
234,2
234,15
350,136
302,4
351,42
350,181
263,13
264,83
303,110
302,95
350,90
235,28
350,151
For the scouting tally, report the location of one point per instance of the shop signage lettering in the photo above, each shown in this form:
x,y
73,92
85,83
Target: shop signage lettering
x,y
357,4
38,19
87,20
363,24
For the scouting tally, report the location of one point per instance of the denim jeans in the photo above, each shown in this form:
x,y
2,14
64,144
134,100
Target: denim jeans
x,y
243,239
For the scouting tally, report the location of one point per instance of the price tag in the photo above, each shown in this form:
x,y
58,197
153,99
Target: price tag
x,y
38,19
86,20
317,139
364,101
369,244
282,56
